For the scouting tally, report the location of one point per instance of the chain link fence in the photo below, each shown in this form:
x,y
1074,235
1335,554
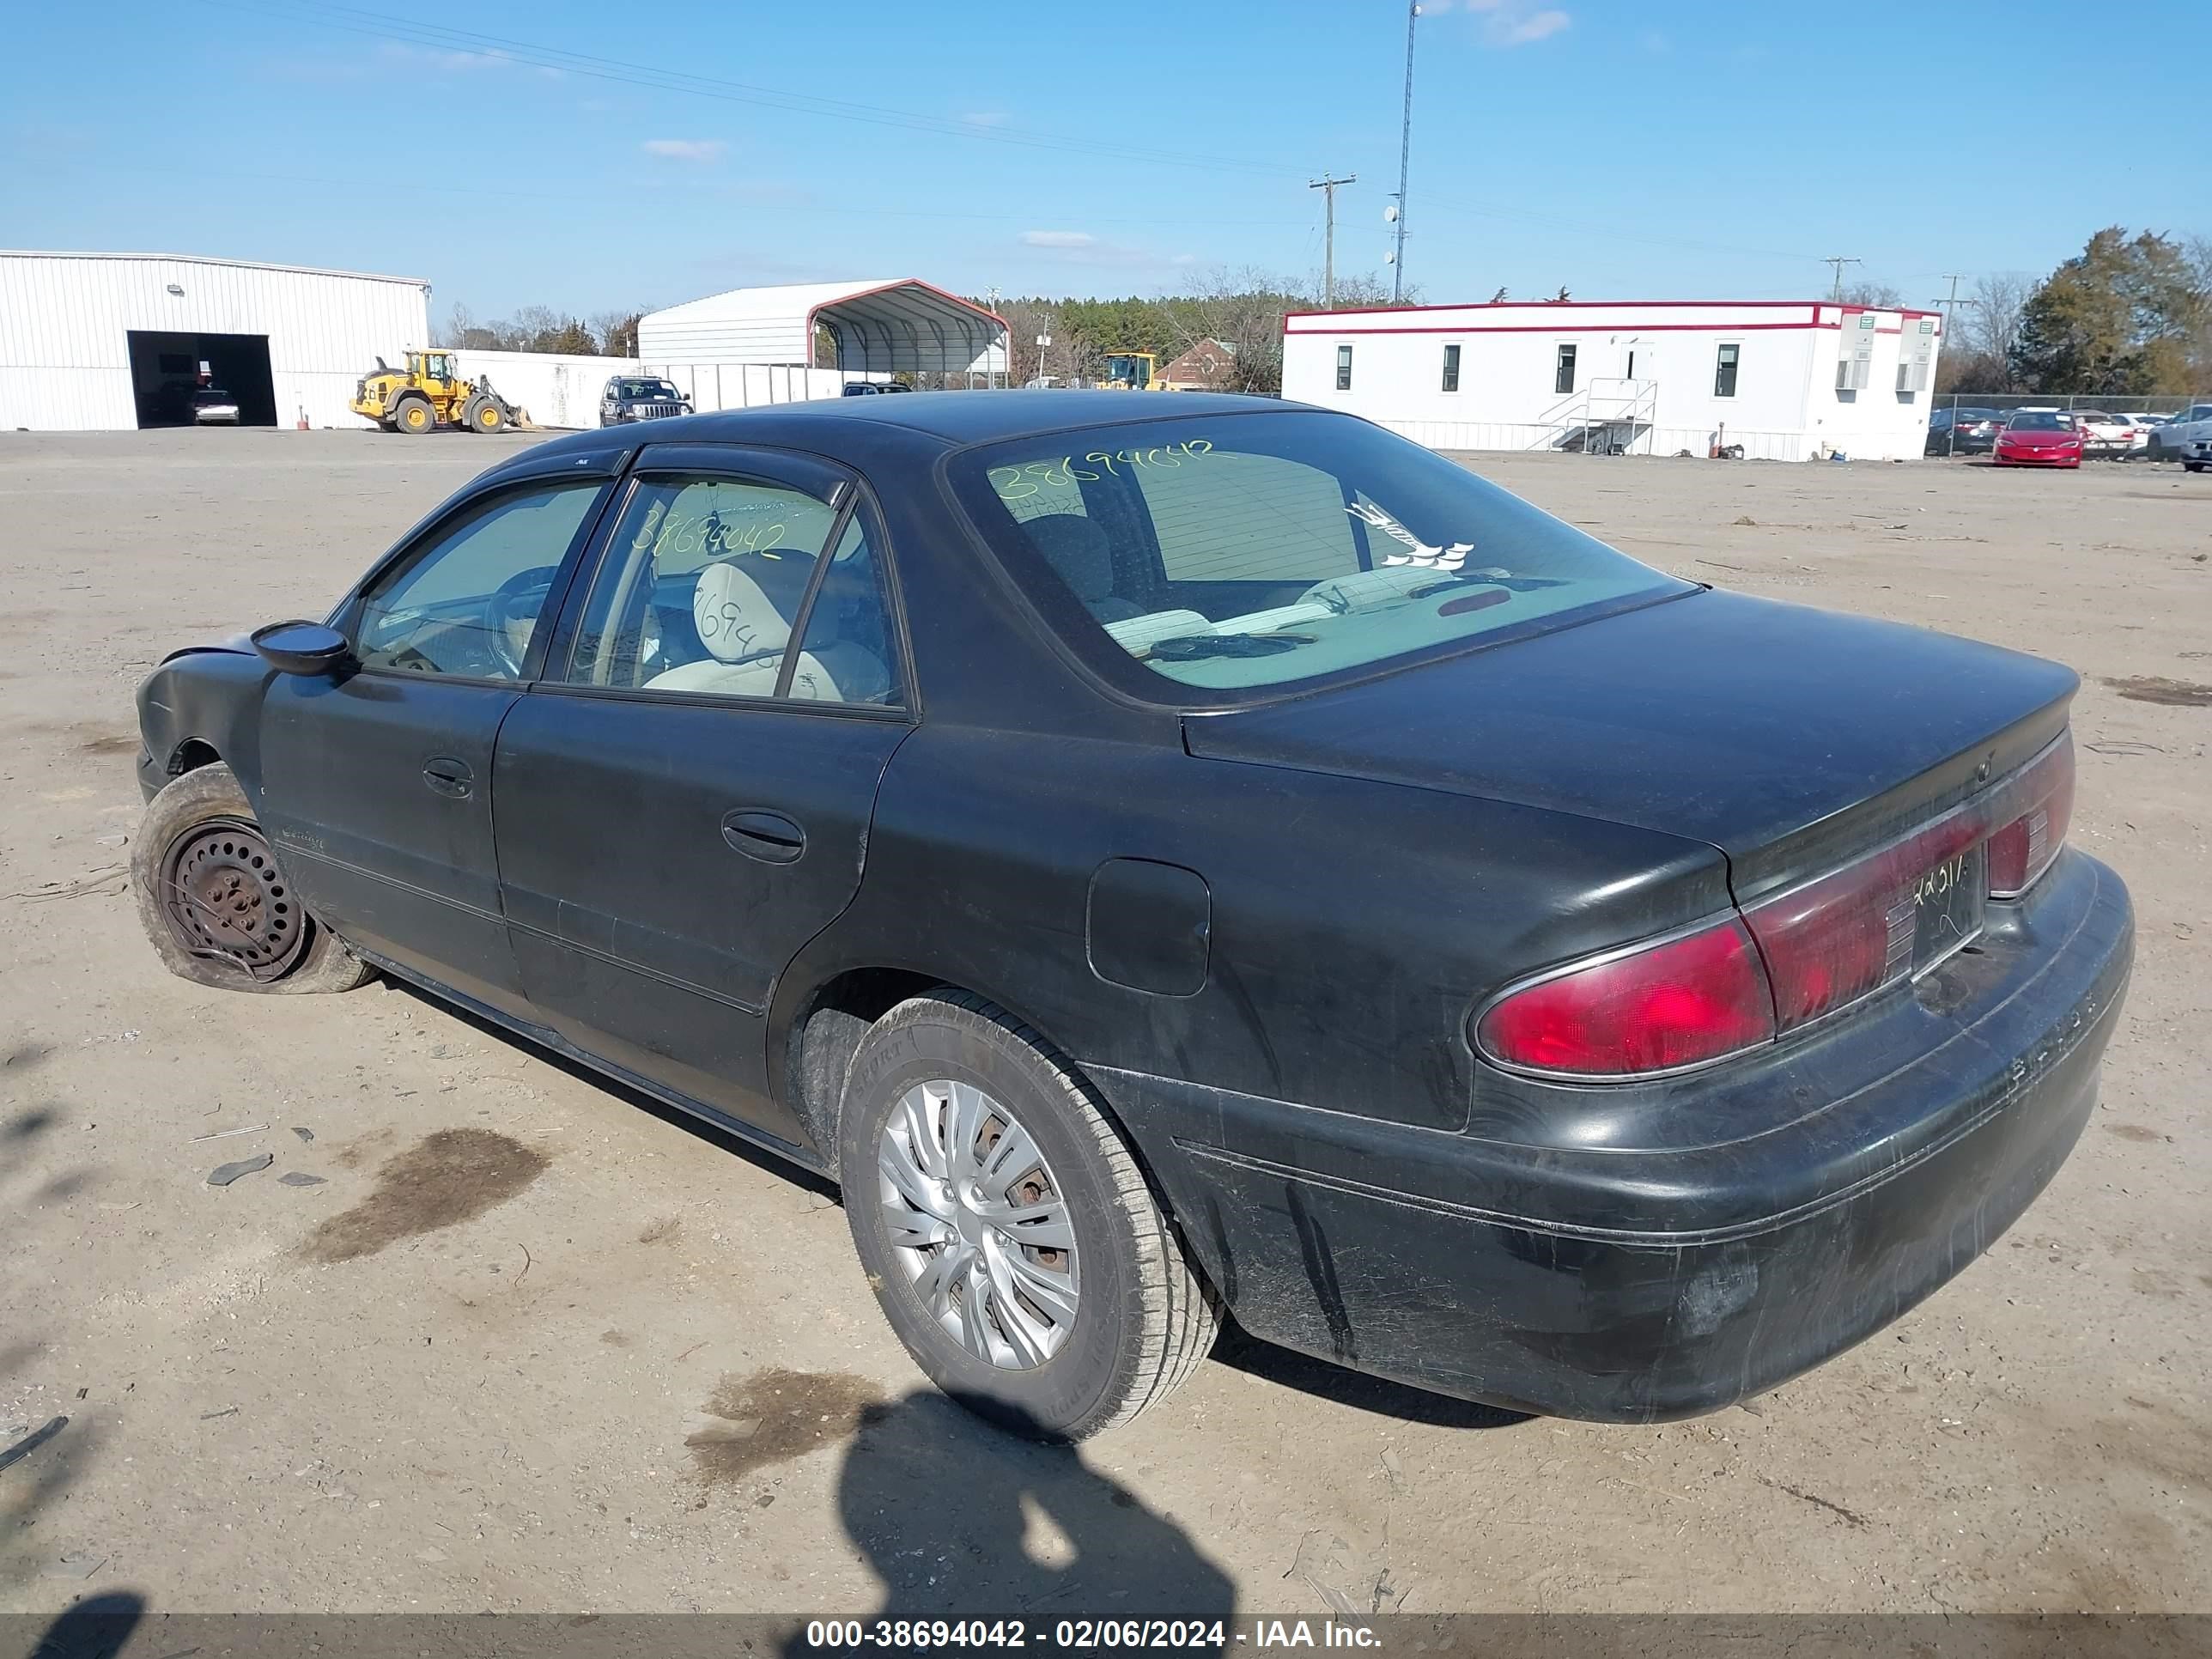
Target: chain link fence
x,y
1965,423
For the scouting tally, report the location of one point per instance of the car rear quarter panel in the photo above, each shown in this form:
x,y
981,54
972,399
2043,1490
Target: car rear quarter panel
x,y
1352,925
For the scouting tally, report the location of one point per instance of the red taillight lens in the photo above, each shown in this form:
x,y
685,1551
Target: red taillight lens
x,y
1668,1006
2024,848
1831,941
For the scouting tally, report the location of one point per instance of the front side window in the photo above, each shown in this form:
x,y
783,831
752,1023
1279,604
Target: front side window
x,y
1344,368
1451,368
1724,371
707,581
1563,374
470,602
1212,560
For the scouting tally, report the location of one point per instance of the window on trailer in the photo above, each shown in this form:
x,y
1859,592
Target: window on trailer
x,y
1563,377
1451,368
1344,368
1724,371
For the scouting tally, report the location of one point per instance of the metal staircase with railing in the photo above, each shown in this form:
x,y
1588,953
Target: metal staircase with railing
x,y
1609,416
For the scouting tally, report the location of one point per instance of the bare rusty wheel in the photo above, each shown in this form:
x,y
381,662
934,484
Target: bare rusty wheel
x,y
224,898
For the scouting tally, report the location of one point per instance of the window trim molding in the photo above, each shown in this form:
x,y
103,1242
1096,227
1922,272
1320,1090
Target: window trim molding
x,y
850,493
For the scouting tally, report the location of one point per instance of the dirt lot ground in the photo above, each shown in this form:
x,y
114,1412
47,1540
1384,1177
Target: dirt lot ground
x,y
566,1353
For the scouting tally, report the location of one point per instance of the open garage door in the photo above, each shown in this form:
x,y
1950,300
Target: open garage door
x,y
166,369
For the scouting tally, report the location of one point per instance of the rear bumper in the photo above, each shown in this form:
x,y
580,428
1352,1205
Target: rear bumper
x,y
1624,1286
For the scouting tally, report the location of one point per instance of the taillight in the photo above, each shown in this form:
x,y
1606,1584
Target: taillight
x,y
2021,850
1796,957
1833,940
1658,1009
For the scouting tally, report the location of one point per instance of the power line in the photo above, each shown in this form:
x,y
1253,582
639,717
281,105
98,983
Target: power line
x,y
411,186
438,37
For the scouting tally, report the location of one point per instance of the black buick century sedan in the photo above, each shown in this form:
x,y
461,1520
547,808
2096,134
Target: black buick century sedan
x,y
1171,859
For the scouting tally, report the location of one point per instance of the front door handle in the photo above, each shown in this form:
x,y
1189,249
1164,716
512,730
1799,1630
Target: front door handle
x,y
449,776
769,836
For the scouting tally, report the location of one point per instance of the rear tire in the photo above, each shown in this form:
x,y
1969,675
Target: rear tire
x,y
414,416
214,906
1055,1344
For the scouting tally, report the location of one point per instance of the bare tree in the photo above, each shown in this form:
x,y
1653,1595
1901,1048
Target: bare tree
x,y
1025,360
617,330
1243,310
1990,324
1882,296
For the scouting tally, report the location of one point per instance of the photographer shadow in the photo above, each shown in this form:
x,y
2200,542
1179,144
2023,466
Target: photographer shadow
x,y
962,1520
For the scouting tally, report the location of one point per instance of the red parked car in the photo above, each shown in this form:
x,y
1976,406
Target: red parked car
x,y
2039,437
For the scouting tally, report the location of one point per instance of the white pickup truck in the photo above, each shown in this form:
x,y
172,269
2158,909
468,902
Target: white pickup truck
x,y
2171,442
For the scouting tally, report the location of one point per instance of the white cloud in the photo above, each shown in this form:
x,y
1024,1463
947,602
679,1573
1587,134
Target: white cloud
x,y
686,149
1080,247
1516,22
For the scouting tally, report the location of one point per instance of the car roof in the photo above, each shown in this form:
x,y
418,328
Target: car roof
x,y
956,418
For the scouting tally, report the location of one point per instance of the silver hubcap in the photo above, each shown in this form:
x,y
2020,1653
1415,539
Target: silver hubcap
x,y
977,1221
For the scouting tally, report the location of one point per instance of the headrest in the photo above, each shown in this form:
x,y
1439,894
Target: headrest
x,y
735,620
1077,550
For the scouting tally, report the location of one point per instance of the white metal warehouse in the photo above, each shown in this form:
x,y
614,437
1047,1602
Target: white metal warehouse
x,y
101,341
1786,380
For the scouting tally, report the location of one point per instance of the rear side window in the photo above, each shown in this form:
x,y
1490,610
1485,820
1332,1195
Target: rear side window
x,y
708,582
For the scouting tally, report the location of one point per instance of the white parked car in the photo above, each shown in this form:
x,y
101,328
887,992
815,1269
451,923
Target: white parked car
x,y
213,406
2170,441
2106,433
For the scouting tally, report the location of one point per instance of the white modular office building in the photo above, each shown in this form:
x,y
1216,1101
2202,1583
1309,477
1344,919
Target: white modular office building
x,y
1784,379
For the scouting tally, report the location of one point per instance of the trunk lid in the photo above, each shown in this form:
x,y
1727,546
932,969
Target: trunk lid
x,y
1791,738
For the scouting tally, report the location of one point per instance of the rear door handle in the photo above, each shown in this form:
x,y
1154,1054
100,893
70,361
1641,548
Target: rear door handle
x,y
769,836
449,776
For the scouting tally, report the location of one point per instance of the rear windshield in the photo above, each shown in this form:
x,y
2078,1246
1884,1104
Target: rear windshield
x,y
1210,559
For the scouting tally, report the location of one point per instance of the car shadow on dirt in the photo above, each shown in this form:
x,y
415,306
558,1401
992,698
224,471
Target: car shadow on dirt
x,y
1318,1378
957,1517
737,1146
1375,1396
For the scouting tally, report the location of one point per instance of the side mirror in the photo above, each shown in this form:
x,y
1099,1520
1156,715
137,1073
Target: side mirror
x,y
303,648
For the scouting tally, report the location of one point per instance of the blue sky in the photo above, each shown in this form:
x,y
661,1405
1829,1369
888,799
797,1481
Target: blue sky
x,y
590,155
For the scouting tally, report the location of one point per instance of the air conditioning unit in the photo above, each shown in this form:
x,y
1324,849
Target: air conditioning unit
x,y
1852,370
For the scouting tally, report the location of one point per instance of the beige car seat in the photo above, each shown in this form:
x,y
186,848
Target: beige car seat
x,y
746,635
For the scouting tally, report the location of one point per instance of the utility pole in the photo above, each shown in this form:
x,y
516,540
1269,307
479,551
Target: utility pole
x,y
1327,188
1405,157
1951,304
1839,261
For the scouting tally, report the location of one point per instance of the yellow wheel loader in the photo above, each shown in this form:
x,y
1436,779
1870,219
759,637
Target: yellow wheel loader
x,y
430,393
1132,371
